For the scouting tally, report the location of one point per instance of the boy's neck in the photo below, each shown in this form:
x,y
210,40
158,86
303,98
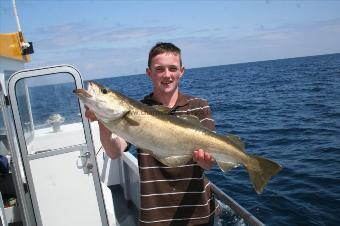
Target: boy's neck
x,y
167,99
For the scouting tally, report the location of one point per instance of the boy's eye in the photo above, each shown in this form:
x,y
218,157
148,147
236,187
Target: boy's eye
x,y
173,68
161,69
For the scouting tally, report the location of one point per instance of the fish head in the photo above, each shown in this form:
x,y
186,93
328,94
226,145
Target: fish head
x,y
103,102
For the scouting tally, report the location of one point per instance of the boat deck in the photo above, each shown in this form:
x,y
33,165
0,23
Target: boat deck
x,y
127,213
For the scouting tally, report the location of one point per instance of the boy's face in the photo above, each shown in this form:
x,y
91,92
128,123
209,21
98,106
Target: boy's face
x,y
165,72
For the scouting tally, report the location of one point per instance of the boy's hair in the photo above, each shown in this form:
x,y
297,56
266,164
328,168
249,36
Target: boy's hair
x,y
164,47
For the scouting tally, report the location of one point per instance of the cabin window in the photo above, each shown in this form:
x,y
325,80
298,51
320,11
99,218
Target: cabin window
x,y
49,112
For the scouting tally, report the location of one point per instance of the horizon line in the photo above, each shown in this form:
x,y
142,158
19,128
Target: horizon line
x,y
194,68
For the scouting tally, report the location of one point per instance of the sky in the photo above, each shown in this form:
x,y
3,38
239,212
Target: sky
x,y
107,38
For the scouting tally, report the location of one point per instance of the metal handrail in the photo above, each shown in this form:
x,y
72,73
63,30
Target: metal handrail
x,y
237,208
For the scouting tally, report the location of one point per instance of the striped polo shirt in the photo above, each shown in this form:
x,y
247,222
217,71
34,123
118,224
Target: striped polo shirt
x,y
176,195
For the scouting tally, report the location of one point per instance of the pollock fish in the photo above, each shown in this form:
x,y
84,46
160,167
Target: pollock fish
x,y
172,139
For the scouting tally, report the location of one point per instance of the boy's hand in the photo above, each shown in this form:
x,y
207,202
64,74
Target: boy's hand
x,y
90,115
203,159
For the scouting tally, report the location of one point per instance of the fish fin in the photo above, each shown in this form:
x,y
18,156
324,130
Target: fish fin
x,y
236,141
171,161
191,118
260,170
225,162
129,120
225,166
175,160
162,108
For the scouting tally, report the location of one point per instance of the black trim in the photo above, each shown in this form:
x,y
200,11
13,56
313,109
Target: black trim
x,y
29,50
7,101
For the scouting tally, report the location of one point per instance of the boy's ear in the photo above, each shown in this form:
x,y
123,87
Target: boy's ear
x,y
182,70
148,71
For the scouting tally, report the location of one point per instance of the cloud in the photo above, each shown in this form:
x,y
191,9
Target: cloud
x,y
97,62
79,35
90,49
284,41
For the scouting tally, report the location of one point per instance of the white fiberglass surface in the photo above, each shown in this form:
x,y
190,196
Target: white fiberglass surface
x,y
65,195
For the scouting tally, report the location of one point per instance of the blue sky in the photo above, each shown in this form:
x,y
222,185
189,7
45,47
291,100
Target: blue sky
x,y
112,38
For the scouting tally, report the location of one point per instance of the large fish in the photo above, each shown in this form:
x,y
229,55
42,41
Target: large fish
x,y
171,139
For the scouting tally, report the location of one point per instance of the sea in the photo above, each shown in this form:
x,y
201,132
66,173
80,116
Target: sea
x,y
287,110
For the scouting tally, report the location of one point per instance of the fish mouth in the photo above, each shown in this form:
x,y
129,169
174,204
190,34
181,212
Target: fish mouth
x,y
82,93
91,91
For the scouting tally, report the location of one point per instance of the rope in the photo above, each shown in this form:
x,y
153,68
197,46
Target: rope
x,y
99,150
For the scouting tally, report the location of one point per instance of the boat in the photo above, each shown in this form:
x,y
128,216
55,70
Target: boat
x,y
59,173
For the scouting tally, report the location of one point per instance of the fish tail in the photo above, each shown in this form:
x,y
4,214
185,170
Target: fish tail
x,y
260,170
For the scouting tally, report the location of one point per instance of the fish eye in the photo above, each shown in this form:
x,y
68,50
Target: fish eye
x,y
104,91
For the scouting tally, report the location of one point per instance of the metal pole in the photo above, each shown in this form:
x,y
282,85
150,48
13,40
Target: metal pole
x,y
16,15
246,216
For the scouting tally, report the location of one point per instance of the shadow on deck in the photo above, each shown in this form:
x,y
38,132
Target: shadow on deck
x,y
126,212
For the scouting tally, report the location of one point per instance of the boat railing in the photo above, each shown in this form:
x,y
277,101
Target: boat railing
x,y
248,218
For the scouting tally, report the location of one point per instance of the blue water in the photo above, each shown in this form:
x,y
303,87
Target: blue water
x,y
286,110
